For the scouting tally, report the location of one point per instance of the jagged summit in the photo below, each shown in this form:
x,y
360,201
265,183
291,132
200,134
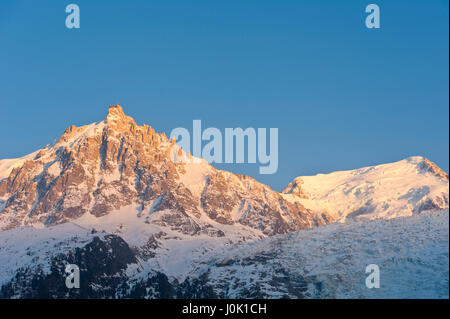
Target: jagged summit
x,y
116,117
116,121
112,165
115,110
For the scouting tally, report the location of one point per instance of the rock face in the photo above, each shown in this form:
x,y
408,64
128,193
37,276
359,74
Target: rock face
x,y
105,166
102,262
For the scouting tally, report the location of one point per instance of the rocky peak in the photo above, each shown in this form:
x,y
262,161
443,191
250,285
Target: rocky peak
x,y
70,132
295,188
117,120
103,167
428,166
115,112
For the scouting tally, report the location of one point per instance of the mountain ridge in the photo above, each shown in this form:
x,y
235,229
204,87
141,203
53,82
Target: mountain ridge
x,y
101,167
111,191
48,177
412,185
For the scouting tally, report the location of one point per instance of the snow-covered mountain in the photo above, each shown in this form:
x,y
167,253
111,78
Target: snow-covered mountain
x,y
410,186
103,167
323,262
110,198
330,261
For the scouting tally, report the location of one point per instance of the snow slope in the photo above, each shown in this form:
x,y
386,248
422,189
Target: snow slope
x,y
33,247
330,261
390,190
324,262
7,165
172,252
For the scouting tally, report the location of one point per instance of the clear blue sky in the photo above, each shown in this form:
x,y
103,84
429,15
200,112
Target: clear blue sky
x,y
342,96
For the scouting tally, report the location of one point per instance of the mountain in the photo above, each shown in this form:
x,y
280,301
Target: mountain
x,y
106,166
330,261
410,186
324,262
143,220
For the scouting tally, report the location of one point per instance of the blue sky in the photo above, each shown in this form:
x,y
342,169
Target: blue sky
x,y
342,96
